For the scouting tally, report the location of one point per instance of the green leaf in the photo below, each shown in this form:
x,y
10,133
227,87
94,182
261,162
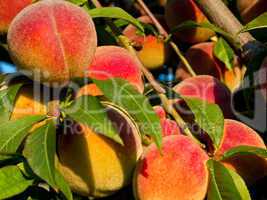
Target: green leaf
x,y
62,185
40,151
126,96
12,182
116,13
192,24
89,111
244,150
258,23
12,133
209,117
7,100
224,53
225,184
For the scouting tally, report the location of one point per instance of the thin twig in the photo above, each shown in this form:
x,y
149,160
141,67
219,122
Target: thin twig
x,y
165,34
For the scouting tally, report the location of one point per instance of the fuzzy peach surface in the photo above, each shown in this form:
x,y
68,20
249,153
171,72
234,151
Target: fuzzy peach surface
x,y
93,164
250,167
8,10
207,88
53,39
28,103
178,11
179,173
116,62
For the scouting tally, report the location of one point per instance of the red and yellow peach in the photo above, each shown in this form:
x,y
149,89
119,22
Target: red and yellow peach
x,y
151,49
95,165
206,88
250,167
116,62
179,172
55,40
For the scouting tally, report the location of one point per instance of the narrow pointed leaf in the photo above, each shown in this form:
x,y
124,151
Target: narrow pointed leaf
x,y
116,13
12,133
225,184
12,182
258,23
245,150
224,53
89,111
209,117
7,100
40,151
126,96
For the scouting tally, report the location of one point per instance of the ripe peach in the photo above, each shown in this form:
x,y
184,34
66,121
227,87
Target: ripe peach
x,y
160,112
200,57
250,167
53,39
179,173
8,10
203,62
116,62
250,9
179,11
169,127
28,103
153,51
93,164
206,88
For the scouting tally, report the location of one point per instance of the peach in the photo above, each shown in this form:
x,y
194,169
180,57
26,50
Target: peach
x,y
206,88
179,11
250,167
250,9
28,103
116,62
180,172
203,62
8,10
169,127
54,40
153,51
200,57
160,112
95,165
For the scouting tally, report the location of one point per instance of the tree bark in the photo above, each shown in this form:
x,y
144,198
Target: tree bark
x,y
219,14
